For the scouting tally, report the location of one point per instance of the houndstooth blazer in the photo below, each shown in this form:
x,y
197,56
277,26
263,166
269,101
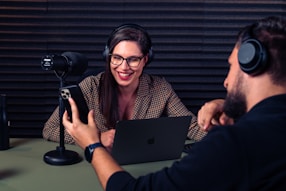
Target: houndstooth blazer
x,y
155,98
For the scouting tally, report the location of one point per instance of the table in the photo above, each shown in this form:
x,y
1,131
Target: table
x,y
22,169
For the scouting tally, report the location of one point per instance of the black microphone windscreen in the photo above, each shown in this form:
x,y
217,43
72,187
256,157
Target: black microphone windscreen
x,y
77,62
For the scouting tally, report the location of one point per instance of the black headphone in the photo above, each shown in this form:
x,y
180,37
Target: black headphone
x,y
252,56
106,51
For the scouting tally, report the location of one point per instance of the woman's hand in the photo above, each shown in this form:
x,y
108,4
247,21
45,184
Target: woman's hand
x,y
107,139
211,114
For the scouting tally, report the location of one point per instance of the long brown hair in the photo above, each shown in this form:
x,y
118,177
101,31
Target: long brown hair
x,y
108,93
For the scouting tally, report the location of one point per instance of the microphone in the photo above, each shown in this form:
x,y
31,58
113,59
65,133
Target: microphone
x,y
67,63
73,63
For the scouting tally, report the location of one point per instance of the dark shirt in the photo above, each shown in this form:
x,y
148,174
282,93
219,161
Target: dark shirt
x,y
250,155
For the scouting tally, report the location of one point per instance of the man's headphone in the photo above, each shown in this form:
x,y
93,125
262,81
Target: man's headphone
x,y
252,56
106,50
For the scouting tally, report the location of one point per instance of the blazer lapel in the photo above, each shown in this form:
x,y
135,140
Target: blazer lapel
x,y
143,98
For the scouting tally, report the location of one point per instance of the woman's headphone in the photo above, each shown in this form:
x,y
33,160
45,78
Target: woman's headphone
x,y
106,50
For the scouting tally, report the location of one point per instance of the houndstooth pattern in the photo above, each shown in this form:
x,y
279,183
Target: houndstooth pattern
x,y
155,98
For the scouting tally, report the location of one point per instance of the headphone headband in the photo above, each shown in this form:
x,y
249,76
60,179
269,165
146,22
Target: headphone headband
x,y
106,51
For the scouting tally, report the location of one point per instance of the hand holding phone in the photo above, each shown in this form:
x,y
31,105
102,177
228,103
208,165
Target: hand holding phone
x,y
75,92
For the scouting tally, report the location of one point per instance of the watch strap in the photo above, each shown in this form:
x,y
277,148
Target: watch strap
x,y
90,149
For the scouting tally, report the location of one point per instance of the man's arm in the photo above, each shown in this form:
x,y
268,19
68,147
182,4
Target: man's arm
x,y
87,134
104,165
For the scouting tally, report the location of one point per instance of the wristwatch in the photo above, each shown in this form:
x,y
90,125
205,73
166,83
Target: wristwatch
x,y
88,152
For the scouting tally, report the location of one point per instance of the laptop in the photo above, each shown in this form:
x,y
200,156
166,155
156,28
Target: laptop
x,y
148,140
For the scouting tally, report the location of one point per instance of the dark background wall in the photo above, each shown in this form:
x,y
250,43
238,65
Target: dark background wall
x,y
191,40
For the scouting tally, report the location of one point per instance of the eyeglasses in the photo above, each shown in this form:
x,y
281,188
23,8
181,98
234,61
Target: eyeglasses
x,y
132,61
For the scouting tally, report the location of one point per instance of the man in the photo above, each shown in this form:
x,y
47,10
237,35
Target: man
x,y
248,155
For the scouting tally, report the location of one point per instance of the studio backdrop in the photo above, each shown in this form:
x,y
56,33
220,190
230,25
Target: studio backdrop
x,y
192,40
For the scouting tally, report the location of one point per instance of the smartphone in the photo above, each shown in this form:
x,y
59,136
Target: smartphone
x,y
75,92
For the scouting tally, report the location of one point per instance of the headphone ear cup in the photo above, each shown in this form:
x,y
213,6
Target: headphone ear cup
x,y
252,57
150,56
105,52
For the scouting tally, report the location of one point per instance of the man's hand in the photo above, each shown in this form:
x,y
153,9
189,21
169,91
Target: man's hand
x,y
83,134
211,114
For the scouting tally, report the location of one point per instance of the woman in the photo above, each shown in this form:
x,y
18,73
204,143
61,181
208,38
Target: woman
x,y
123,91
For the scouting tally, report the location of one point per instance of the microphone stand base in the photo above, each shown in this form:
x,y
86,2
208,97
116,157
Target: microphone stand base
x,y
60,156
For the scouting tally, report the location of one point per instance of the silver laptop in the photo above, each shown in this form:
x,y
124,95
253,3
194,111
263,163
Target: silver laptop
x,y
147,140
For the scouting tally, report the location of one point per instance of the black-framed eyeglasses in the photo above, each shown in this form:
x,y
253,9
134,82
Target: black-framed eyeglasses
x,y
132,61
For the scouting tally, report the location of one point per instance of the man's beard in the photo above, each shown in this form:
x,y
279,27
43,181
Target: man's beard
x,y
235,102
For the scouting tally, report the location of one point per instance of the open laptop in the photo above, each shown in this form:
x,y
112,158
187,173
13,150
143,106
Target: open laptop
x,y
147,140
